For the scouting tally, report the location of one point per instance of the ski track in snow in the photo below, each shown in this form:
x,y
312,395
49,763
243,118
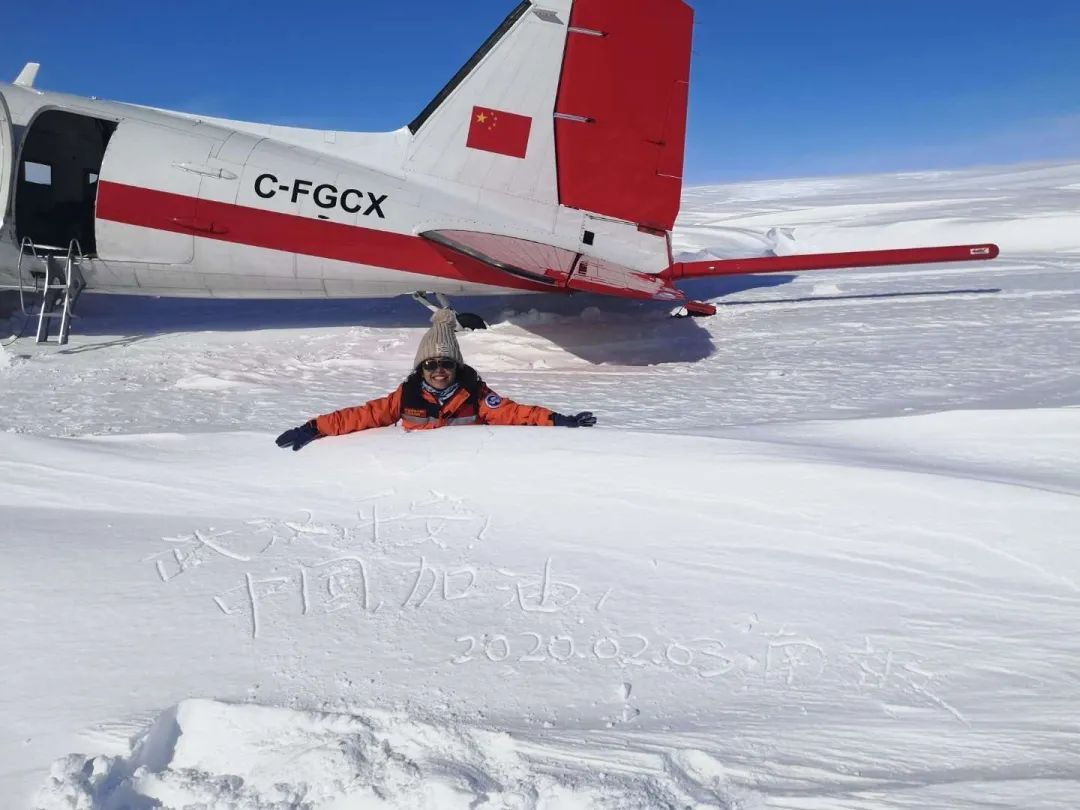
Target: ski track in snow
x,y
819,554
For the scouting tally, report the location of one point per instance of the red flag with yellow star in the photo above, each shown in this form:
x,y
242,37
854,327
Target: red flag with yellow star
x,y
501,132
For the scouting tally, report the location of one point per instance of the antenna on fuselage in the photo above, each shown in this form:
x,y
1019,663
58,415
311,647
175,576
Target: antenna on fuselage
x,y
27,75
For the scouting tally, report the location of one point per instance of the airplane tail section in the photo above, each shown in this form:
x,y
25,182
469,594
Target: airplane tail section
x,y
575,102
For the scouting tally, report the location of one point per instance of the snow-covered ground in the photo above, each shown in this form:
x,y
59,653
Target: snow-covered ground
x,y
821,552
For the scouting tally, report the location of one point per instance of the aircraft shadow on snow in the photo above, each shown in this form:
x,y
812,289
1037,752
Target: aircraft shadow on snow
x,y
597,329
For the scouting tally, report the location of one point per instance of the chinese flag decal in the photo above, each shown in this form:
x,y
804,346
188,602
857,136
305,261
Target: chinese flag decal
x,y
500,132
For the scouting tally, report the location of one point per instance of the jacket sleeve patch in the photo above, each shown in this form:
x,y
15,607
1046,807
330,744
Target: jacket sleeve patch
x,y
493,401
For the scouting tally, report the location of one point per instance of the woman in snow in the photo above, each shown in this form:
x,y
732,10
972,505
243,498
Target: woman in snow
x,y
440,391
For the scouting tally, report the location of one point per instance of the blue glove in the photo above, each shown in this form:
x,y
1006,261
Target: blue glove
x,y
583,419
299,437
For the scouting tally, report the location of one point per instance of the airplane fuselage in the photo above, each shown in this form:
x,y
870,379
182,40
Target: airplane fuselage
x,y
168,203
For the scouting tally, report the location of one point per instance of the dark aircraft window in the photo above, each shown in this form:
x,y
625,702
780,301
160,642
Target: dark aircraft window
x,y
37,173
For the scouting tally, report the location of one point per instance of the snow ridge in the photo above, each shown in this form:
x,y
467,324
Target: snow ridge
x,y
246,757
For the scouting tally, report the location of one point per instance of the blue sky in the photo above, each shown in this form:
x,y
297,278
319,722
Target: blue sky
x,y
781,88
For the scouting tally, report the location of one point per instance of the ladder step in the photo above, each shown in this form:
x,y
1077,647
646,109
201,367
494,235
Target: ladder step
x,y
39,249
59,290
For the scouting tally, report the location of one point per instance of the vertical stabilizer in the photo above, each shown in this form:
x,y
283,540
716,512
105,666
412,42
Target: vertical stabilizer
x,y
28,75
581,103
491,126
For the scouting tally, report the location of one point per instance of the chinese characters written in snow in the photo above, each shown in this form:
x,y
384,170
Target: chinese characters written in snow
x,y
380,562
385,561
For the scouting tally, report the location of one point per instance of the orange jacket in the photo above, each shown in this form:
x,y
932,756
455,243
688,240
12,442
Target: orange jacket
x,y
487,409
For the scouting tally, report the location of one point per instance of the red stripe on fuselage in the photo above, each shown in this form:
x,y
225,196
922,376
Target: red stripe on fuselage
x,y
242,225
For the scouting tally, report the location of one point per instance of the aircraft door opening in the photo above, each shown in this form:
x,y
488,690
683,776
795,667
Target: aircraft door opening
x,y
57,180
7,163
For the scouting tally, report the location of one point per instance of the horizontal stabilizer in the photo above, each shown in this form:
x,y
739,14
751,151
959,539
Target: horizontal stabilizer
x,y
551,268
832,261
605,278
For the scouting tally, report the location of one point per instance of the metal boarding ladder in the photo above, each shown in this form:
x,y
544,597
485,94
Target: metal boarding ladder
x,y
55,288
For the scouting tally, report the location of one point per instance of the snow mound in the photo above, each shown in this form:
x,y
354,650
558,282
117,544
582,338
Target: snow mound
x,y
205,753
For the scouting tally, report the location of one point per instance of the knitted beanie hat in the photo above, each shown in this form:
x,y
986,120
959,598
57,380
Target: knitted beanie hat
x,y
440,340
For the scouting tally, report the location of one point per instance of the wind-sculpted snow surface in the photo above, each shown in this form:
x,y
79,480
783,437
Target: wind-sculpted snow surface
x,y
754,602
820,552
1024,209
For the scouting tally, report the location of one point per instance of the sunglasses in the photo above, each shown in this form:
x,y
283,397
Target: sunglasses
x,y
432,365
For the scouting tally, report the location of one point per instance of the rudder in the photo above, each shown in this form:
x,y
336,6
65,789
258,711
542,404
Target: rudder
x,y
622,107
